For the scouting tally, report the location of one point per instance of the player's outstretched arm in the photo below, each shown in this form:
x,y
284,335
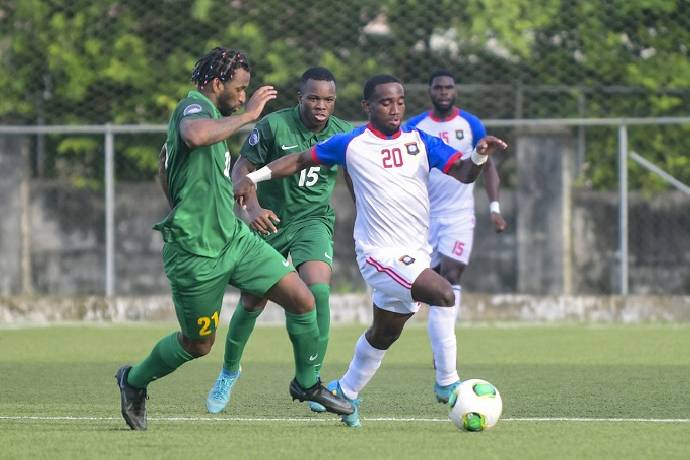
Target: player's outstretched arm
x,y
197,132
277,169
468,170
258,218
492,183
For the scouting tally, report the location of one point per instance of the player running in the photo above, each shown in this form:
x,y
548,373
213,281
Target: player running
x,y
451,231
294,214
389,168
207,247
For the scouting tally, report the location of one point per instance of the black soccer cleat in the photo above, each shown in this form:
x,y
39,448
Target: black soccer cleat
x,y
319,394
132,401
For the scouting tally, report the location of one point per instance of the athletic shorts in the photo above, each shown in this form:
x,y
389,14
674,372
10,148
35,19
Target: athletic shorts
x,y
198,282
308,240
391,273
452,236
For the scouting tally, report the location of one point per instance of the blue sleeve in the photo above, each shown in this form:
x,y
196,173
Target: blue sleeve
x,y
477,127
332,151
441,155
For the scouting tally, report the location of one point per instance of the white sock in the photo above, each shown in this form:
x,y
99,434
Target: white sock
x,y
363,366
443,343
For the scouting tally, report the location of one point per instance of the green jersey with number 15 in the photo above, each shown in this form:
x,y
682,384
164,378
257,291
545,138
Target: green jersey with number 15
x,y
305,194
202,220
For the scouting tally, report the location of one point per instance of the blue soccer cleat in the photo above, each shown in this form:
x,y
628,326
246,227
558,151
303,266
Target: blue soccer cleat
x,y
316,407
351,420
219,396
443,392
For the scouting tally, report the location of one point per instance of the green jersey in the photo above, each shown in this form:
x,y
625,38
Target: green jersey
x,y
202,221
303,195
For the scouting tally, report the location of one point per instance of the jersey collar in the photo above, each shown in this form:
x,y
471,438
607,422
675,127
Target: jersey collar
x,y
378,133
453,114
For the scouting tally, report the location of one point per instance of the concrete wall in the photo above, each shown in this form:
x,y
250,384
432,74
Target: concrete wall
x,y
546,249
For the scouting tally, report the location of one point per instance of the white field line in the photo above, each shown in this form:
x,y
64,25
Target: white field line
x,y
322,420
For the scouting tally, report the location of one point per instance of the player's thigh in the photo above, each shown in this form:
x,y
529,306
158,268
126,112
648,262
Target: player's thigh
x,y
391,274
257,266
197,285
453,238
312,241
386,327
433,289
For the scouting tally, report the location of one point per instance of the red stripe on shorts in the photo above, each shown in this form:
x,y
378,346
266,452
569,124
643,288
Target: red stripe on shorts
x,y
390,272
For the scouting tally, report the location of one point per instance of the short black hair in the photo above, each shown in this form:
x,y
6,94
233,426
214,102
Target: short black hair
x,y
373,82
315,73
441,73
220,63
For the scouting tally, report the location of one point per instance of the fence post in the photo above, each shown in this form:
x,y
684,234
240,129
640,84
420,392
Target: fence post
x,y
623,208
109,212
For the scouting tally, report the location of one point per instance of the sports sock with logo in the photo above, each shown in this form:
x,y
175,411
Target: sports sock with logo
x,y
363,366
240,328
166,356
441,329
321,293
304,335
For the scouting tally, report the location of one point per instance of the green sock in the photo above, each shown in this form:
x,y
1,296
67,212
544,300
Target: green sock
x,y
165,357
241,327
321,293
304,335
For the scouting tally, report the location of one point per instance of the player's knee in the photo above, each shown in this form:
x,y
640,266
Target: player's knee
x,y
382,339
198,348
446,297
304,302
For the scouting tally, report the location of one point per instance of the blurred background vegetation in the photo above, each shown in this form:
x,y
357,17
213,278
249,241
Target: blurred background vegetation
x,y
129,61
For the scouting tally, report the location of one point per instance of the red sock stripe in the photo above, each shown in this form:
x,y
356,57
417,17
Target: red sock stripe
x,y
390,272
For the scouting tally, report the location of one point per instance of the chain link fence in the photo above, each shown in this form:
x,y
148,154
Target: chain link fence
x,y
125,62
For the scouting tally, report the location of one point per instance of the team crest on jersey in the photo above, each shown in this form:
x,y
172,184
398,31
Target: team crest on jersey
x,y
407,260
459,134
191,109
254,137
412,148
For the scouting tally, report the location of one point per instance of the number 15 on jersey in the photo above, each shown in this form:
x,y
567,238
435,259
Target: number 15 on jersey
x,y
309,176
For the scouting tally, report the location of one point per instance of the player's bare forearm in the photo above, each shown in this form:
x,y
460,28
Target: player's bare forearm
x,y
205,131
465,171
492,181
277,169
163,173
468,170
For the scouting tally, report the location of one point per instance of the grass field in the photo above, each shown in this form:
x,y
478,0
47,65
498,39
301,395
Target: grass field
x,y
569,391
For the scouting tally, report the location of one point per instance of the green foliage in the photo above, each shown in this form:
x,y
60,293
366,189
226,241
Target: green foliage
x,y
127,61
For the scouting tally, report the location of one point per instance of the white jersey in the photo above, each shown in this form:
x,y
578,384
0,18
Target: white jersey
x,y
461,130
389,178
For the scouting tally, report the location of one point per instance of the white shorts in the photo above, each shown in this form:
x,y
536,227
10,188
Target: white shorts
x,y
452,236
391,273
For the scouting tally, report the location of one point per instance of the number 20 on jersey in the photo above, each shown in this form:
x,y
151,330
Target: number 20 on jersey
x,y
391,158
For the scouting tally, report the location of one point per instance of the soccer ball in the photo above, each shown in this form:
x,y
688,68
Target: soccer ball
x,y
475,405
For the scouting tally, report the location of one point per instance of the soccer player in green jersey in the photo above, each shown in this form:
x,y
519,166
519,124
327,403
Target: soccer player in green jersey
x,y
293,214
207,247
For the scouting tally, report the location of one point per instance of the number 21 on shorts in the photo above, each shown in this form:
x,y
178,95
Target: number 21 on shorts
x,y
205,323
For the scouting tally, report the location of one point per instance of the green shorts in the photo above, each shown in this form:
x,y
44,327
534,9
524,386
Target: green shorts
x,y
198,282
308,240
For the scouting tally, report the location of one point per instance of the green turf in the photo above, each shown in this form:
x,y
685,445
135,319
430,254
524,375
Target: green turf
x,y
634,371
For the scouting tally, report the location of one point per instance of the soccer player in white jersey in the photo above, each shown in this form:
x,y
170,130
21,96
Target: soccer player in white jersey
x,y
451,230
389,169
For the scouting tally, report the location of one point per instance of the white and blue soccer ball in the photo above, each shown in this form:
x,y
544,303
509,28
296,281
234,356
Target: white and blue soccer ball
x,y
475,405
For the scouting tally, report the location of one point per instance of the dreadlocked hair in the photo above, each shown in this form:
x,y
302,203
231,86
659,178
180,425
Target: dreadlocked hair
x,y
220,63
